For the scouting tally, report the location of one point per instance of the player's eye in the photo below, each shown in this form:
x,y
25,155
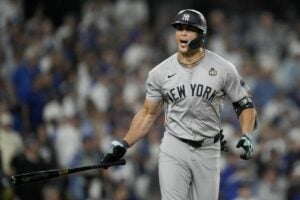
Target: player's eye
x,y
181,27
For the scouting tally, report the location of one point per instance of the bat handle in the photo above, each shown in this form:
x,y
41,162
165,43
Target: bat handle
x,y
119,162
13,180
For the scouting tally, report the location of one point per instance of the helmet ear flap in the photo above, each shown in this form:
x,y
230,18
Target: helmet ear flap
x,y
197,42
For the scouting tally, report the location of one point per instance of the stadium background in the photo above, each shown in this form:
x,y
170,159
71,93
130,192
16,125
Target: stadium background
x,y
72,76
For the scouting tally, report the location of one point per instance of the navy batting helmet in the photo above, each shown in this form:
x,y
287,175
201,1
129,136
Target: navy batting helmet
x,y
193,18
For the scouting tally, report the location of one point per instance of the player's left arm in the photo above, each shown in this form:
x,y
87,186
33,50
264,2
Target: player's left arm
x,y
244,107
247,120
246,112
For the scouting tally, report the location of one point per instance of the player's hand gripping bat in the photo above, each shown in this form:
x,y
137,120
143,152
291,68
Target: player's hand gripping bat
x,y
48,174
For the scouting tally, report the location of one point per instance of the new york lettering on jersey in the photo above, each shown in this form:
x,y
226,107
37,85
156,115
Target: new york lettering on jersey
x,y
196,90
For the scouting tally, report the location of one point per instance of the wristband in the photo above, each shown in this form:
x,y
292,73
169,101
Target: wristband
x,y
125,144
248,135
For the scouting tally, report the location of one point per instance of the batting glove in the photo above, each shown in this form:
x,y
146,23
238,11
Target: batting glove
x,y
246,143
116,151
223,143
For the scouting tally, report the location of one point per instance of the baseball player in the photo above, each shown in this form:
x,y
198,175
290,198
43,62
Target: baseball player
x,y
192,83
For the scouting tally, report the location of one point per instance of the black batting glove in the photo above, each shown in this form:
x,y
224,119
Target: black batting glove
x,y
116,151
246,143
223,142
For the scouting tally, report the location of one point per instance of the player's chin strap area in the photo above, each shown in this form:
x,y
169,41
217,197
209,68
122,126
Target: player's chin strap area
x,y
197,42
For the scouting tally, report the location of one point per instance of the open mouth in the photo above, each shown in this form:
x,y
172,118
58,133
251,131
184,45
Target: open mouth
x,y
183,43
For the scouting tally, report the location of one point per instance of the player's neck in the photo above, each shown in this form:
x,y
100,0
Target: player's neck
x,y
191,58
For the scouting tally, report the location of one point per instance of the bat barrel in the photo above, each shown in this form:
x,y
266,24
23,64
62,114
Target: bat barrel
x,y
34,176
44,175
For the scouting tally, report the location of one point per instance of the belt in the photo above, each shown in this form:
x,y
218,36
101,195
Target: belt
x,y
200,143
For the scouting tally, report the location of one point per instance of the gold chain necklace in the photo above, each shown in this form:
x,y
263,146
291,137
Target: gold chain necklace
x,y
191,65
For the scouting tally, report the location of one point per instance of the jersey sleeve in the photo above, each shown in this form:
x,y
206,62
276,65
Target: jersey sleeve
x,y
153,87
235,87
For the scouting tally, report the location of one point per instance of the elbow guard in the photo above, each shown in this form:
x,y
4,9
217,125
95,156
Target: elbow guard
x,y
242,104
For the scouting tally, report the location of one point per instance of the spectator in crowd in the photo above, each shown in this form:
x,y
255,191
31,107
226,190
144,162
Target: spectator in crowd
x,y
67,140
272,185
23,81
25,162
11,142
245,192
88,185
293,191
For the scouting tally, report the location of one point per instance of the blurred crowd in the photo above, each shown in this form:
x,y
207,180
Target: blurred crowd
x,y
67,91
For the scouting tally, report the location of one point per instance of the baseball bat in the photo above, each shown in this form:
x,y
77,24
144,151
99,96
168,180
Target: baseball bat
x,y
48,174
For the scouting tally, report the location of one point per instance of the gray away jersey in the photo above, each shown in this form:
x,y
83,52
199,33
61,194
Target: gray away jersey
x,y
194,96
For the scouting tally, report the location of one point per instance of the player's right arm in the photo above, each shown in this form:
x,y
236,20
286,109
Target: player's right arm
x,y
139,127
151,108
143,121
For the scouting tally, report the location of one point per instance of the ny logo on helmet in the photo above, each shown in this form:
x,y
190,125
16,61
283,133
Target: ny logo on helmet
x,y
186,17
